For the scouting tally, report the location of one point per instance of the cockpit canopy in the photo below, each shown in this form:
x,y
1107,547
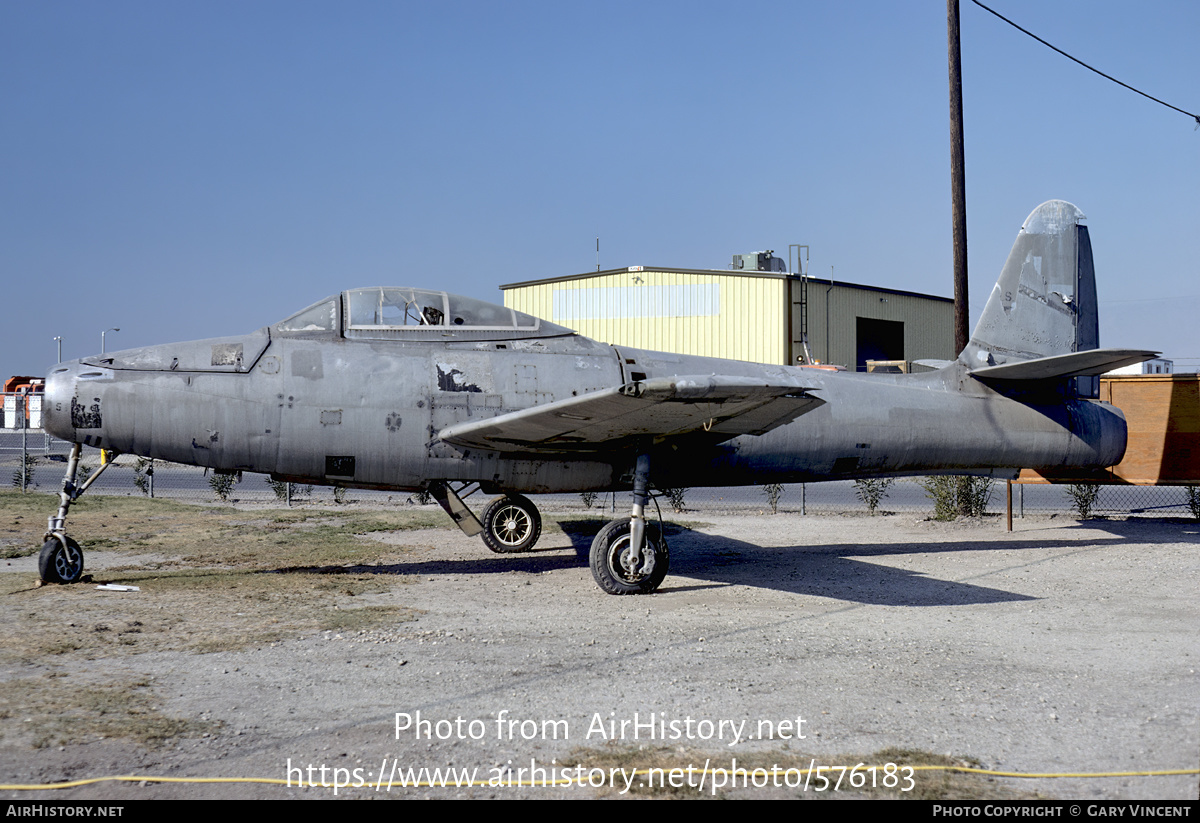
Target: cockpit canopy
x,y
414,314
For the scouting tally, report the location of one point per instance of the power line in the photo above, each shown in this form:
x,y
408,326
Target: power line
x,y
1085,65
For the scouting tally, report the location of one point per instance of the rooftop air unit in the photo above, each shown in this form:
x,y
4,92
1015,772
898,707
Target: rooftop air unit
x,y
758,261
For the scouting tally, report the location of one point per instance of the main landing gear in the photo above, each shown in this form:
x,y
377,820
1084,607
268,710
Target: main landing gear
x,y
61,559
628,556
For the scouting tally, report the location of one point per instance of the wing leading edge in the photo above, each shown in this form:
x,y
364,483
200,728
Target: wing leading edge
x,y
712,406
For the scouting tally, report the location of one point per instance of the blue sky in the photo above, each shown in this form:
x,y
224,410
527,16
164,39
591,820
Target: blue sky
x,y
194,169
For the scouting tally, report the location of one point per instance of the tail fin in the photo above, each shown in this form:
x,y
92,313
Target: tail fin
x,y
1044,303
1040,323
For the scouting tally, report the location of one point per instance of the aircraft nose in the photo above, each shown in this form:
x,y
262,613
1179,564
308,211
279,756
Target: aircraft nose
x,y
56,404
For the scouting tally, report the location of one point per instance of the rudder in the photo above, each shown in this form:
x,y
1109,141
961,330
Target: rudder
x,y
1044,303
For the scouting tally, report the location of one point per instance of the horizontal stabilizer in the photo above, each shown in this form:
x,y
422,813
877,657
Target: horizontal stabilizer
x,y
712,406
1074,364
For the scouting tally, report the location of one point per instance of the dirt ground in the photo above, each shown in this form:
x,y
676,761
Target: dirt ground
x,y
274,644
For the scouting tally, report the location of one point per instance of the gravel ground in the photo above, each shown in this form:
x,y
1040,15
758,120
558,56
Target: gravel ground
x,y
1061,647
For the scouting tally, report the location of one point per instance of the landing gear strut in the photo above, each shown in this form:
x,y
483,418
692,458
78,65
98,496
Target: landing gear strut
x,y
61,559
628,556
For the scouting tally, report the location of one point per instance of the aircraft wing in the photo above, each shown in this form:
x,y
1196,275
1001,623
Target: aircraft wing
x,y
713,406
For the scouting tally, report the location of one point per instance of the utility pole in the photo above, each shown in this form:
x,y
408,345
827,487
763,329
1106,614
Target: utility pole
x,y
958,182
958,197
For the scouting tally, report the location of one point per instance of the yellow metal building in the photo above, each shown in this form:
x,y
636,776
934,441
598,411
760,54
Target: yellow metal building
x,y
753,315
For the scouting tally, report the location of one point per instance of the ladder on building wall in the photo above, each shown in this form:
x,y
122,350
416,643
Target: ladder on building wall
x,y
801,269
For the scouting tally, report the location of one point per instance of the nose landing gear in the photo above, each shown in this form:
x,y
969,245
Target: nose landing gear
x,y
61,558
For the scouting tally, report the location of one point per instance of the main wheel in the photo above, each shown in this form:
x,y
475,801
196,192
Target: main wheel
x,y
511,524
620,570
60,562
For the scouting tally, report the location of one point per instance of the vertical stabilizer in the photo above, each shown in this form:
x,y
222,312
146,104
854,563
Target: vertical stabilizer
x,y
1044,303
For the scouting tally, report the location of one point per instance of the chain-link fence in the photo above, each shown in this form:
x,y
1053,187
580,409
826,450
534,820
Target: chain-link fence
x,y
46,464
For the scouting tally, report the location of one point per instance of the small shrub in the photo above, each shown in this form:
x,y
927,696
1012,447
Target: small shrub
x,y
1083,498
974,494
773,491
421,498
588,498
222,484
1193,494
676,498
280,488
871,490
952,496
339,494
1194,500
31,462
944,493
143,470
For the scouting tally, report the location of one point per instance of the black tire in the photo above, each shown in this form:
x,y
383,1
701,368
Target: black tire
x,y
60,562
616,577
511,524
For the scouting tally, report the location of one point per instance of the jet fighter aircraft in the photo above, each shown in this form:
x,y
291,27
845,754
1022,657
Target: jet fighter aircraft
x,y
416,389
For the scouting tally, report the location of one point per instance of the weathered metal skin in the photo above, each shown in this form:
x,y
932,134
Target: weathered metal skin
x,y
303,405
940,422
323,409
328,410
360,389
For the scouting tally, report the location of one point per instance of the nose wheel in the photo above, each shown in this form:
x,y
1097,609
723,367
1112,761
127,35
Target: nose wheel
x,y
61,560
511,524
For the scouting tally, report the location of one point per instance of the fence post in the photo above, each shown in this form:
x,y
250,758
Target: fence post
x,y
1008,502
23,416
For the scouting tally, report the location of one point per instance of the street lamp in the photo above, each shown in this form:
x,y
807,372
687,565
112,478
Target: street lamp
x,y
58,340
106,331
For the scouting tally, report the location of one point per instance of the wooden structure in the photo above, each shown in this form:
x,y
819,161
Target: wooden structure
x,y
1163,414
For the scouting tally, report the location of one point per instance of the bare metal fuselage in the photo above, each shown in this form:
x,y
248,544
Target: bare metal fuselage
x,y
321,408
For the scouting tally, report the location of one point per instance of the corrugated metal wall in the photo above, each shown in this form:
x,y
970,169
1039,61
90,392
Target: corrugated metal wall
x,y
710,314
928,322
733,315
